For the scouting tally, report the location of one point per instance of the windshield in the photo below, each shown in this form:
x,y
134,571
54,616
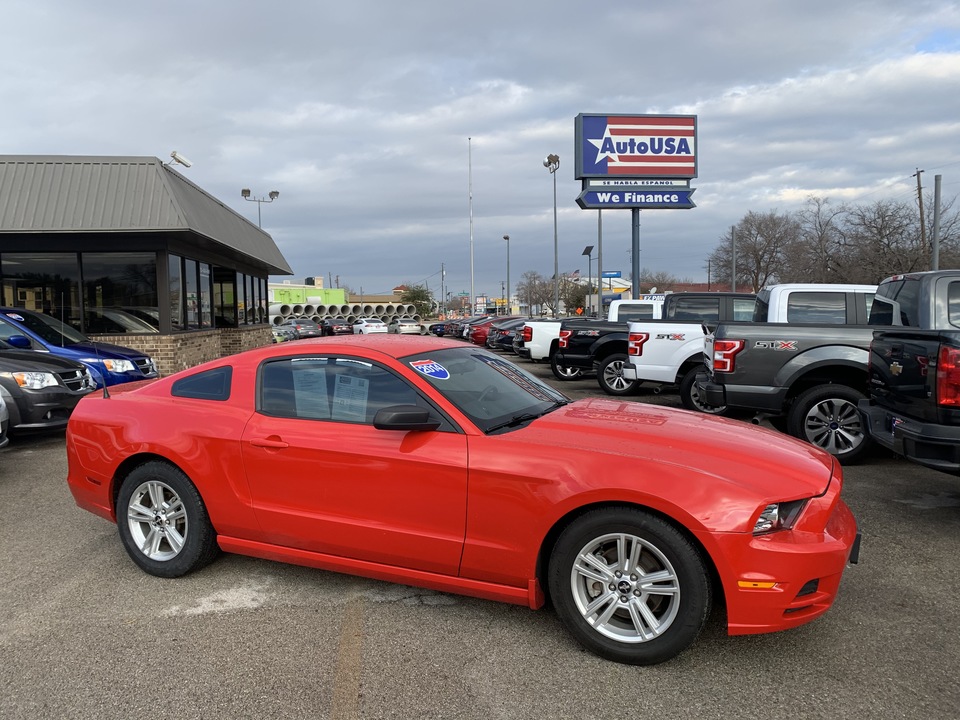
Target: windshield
x,y
47,328
493,392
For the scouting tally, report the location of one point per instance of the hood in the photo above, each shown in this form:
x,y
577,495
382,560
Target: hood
x,y
33,361
759,460
94,350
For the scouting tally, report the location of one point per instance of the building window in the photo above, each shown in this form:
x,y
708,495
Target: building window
x,y
45,282
120,293
175,263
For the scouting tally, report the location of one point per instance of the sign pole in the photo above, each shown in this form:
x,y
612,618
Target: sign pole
x,y
635,269
599,263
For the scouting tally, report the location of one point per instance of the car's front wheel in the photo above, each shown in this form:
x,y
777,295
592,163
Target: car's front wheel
x,y
629,586
163,522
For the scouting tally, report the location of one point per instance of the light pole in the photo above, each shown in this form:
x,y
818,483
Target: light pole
x,y
587,251
507,238
552,163
273,195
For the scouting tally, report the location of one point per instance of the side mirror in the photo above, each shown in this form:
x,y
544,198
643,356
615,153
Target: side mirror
x,y
404,417
20,341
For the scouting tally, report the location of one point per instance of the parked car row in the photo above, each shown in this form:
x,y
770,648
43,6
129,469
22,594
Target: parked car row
x,y
47,366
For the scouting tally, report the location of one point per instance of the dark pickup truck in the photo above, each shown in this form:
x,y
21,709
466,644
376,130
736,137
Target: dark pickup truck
x,y
805,368
603,346
914,373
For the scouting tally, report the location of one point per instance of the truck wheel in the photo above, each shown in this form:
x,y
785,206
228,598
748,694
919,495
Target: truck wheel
x,y
826,416
691,398
610,376
562,372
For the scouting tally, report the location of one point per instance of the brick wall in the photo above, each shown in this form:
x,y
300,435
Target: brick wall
x,y
173,353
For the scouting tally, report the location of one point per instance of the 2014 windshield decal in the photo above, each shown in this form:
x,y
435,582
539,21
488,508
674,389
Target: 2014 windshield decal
x,y
431,368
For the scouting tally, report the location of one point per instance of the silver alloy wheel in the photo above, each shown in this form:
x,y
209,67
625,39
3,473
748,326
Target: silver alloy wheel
x,y
625,588
834,425
157,520
613,376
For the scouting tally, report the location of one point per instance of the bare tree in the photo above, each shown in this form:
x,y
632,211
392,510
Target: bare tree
x,y
763,240
537,292
813,256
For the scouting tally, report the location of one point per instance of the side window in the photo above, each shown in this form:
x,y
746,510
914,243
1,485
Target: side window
x,y
953,303
337,389
690,309
208,385
817,307
743,309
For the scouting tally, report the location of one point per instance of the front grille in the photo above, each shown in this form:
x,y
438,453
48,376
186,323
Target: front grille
x,y
75,380
146,365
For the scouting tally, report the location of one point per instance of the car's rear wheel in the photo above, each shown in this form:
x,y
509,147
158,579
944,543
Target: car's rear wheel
x,y
629,586
827,416
562,372
691,398
163,522
610,376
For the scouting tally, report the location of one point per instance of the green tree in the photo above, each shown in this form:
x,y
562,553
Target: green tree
x,y
420,297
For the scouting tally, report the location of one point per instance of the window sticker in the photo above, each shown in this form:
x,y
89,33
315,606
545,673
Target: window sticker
x,y
310,386
350,398
431,369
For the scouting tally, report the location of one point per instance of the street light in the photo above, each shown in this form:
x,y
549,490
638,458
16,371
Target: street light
x,y
587,251
507,238
273,195
552,163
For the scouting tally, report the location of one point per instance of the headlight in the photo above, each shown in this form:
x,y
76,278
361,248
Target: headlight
x,y
779,516
33,380
119,366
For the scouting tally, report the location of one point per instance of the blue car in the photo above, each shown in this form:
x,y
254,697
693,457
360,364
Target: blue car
x,y
109,364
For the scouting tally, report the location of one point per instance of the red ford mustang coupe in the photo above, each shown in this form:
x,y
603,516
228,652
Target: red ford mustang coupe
x,y
422,461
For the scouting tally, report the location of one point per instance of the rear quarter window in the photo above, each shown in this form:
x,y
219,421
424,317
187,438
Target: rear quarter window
x,y
207,385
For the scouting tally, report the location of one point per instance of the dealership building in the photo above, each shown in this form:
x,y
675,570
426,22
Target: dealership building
x,y
129,251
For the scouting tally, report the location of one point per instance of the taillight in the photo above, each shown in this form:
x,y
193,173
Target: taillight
x,y
948,376
635,343
527,333
564,334
723,353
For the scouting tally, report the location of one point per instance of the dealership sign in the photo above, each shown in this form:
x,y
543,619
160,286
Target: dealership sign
x,y
645,199
636,146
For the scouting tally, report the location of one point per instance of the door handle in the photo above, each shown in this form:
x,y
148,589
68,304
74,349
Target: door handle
x,y
269,443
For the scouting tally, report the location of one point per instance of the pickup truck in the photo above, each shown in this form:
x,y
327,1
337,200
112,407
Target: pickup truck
x,y
804,365
541,338
670,351
914,369
606,347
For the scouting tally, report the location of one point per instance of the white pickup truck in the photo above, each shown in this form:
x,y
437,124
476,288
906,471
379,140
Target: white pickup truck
x,y
540,338
671,351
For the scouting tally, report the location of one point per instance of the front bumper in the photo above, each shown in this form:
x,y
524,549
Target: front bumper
x,y
786,579
928,444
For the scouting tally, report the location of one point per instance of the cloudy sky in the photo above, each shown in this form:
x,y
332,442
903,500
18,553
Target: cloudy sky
x,y
359,114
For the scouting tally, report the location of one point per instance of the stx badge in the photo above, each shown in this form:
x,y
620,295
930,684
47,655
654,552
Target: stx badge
x,y
775,344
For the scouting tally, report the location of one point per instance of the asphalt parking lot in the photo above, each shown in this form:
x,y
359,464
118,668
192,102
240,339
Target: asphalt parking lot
x,y
85,634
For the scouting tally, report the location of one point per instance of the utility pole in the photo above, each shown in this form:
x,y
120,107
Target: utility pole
x,y
733,258
923,233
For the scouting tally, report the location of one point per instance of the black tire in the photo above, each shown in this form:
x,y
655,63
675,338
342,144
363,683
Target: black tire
x,y
588,580
562,372
826,416
163,522
691,399
610,376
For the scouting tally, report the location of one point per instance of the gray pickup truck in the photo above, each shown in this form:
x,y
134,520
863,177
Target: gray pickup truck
x,y
806,372
914,375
